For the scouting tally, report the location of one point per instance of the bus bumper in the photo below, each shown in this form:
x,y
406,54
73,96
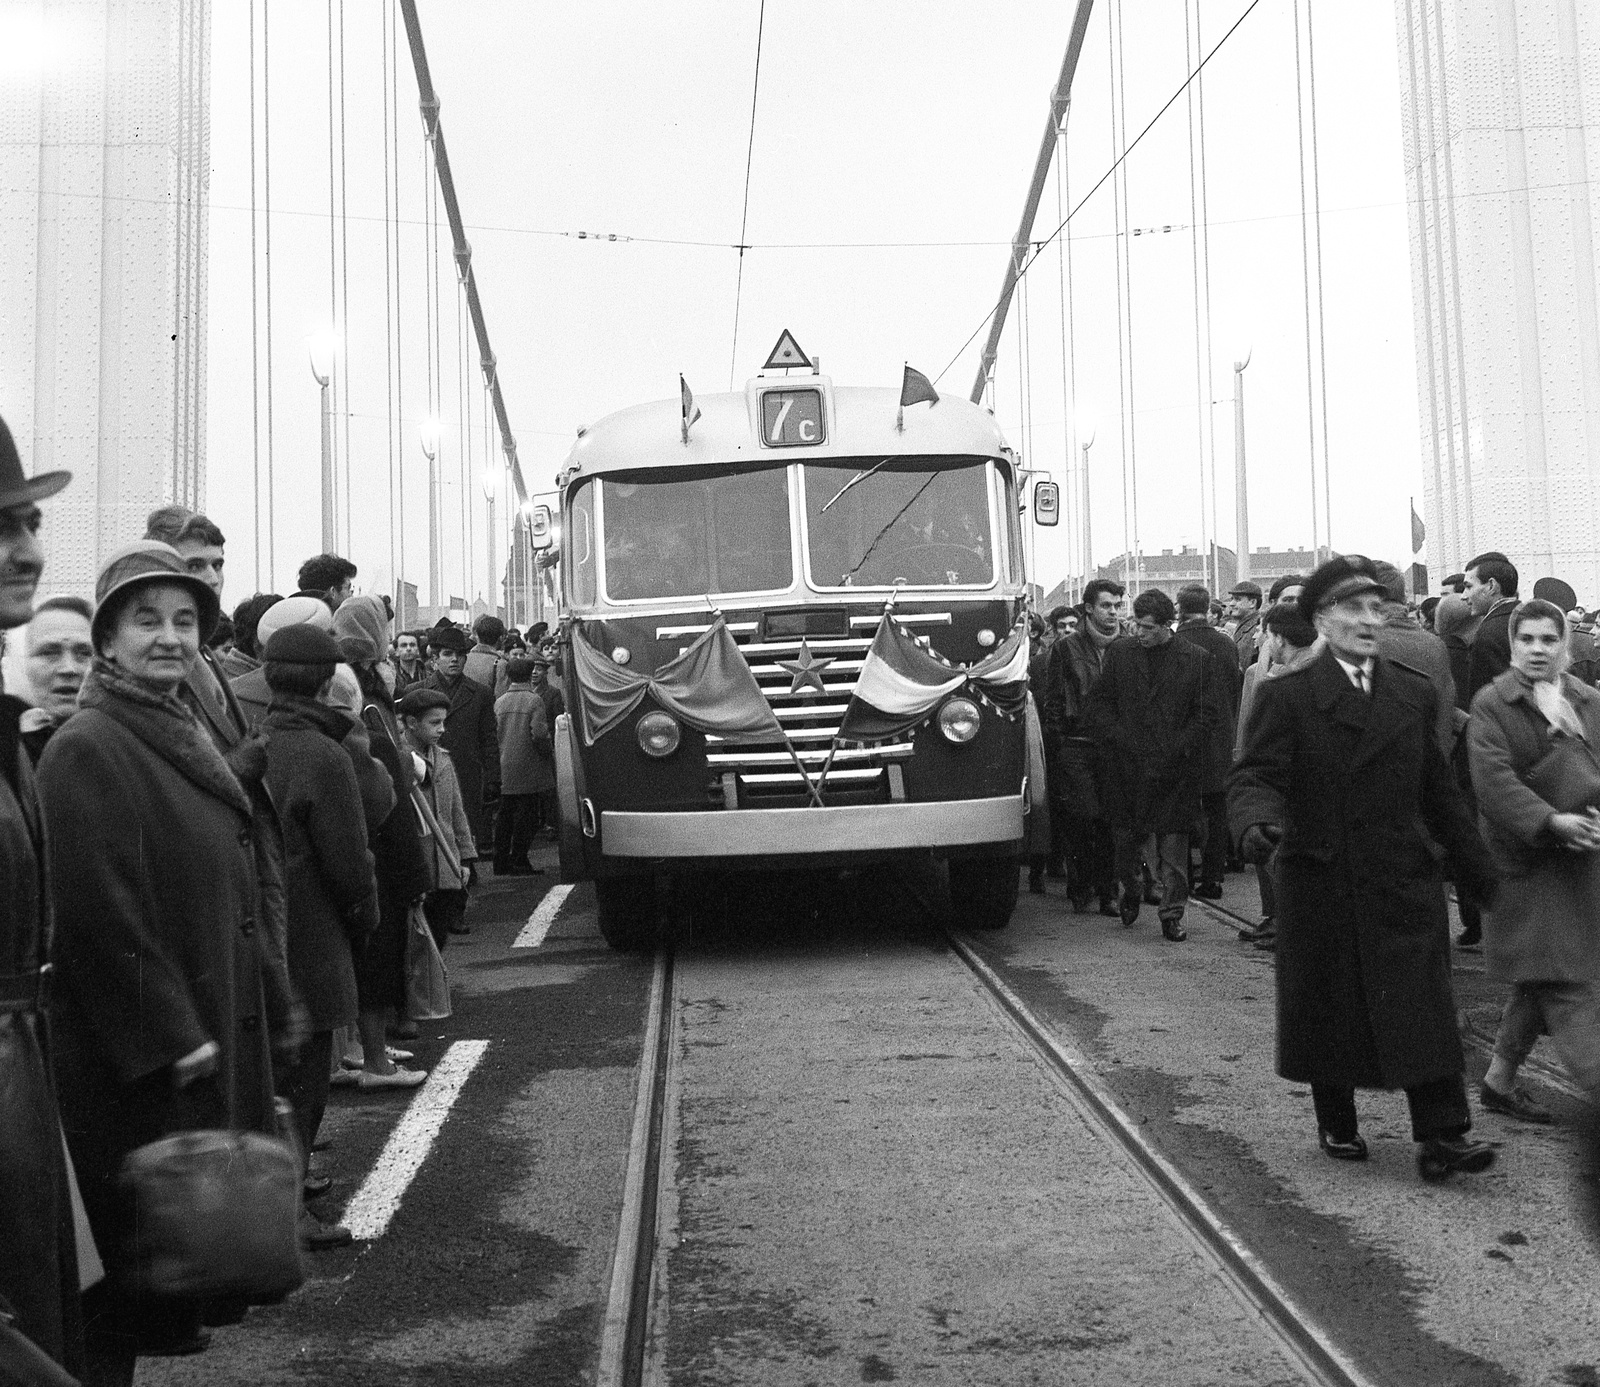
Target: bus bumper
x,y
843,828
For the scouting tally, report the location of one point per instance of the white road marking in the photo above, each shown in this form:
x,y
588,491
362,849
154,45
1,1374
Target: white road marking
x,y
543,917
375,1202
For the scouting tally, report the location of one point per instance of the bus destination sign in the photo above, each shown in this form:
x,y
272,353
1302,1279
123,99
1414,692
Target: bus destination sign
x,y
792,418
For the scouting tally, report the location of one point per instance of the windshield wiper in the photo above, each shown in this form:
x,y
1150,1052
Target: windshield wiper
x,y
859,477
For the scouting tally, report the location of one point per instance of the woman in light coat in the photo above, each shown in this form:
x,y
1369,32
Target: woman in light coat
x,y
1543,933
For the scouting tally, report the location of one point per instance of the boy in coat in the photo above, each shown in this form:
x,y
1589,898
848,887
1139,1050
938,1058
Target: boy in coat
x,y
1341,772
527,769
424,712
470,734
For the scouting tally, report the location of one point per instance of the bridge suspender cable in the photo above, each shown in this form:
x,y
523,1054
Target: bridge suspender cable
x,y
266,265
1305,272
429,102
1059,100
744,216
255,327
388,327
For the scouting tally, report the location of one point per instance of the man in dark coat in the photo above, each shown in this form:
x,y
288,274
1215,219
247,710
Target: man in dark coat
x,y
471,735
1340,771
1076,661
1244,606
1194,606
1492,595
38,1264
1151,714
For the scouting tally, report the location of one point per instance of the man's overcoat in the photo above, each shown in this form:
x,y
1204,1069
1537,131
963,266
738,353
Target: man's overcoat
x,y
1153,731
1353,780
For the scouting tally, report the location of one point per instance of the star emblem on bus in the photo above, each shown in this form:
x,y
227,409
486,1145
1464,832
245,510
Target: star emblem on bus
x,y
807,670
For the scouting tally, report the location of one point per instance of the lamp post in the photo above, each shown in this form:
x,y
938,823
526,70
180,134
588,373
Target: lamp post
x,y
1088,524
321,350
428,433
1241,497
491,481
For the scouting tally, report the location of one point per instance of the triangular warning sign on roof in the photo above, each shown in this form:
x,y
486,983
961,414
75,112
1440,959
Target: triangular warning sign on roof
x,y
786,353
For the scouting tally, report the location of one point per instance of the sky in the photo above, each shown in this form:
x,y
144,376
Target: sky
x,y
891,150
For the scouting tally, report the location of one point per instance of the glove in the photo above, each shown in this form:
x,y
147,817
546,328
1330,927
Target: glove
x,y
1259,841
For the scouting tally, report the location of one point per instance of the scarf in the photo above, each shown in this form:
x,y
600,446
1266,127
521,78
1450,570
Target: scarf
x,y
1098,642
1550,698
163,722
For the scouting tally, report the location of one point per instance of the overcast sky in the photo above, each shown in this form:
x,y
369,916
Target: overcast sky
x,y
893,145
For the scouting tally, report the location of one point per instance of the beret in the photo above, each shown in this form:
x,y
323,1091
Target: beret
x,y
293,611
301,645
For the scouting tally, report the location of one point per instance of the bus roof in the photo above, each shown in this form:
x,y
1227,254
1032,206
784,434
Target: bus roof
x,y
860,422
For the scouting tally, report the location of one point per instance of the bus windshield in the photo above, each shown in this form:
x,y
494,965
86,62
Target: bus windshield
x,y
918,521
681,532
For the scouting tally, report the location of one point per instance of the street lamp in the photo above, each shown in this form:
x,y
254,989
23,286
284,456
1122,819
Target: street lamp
x,y
428,433
322,348
1241,499
491,484
1088,526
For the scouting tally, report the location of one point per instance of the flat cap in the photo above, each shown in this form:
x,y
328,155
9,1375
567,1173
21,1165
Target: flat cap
x,y
303,644
1348,575
1246,589
418,701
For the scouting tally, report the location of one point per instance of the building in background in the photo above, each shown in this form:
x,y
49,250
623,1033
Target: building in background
x,y
1501,109
104,166
1171,569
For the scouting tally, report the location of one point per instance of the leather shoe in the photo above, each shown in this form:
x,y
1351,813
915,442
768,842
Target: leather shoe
x,y
315,1186
1108,907
1442,1157
319,1236
1209,890
1173,930
1128,908
1080,903
1265,930
1515,1104
1353,1150
1035,883
1268,943
1470,938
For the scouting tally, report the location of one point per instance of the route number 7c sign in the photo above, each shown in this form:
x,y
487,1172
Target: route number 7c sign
x,y
792,419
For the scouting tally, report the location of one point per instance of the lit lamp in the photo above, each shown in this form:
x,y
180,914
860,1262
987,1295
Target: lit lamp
x,y
428,433
322,348
491,484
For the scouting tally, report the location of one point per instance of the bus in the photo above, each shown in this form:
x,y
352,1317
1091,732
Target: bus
x,y
793,633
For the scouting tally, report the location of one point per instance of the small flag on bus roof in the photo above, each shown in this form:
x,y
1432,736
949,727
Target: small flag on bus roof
x,y
691,411
914,388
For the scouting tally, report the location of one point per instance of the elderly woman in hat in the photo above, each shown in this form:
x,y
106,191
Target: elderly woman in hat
x,y
1340,772
161,960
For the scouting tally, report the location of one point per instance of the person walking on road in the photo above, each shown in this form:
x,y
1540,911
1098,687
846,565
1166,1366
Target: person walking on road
x,y
1533,740
1152,713
1340,772
1076,661
1194,602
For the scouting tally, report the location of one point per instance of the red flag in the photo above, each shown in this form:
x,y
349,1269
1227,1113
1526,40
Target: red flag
x,y
691,411
915,387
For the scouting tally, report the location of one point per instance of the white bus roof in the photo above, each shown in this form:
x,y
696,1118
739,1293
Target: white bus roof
x,y
860,422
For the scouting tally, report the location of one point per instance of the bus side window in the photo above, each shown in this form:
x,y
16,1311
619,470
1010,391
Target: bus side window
x,y
580,551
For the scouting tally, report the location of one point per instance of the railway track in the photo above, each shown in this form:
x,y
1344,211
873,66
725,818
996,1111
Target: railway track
x,y
633,1343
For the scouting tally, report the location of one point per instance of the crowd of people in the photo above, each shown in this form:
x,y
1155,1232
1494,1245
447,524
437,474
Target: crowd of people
x,y
218,832
1363,753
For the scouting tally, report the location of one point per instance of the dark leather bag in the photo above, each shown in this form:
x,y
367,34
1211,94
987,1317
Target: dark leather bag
x,y
1567,777
215,1215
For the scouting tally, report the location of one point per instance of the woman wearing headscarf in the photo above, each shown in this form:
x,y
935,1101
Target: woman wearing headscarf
x,y
1534,739
160,956
362,628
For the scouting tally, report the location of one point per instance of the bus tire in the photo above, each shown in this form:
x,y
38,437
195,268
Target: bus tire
x,y
627,911
983,891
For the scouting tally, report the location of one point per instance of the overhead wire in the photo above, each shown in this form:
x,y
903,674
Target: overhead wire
x,y
744,216
1108,174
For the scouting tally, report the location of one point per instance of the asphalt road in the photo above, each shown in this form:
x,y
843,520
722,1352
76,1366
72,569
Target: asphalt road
x,y
871,1179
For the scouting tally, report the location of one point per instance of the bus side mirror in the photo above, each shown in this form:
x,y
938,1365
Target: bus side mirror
x,y
541,533
1046,503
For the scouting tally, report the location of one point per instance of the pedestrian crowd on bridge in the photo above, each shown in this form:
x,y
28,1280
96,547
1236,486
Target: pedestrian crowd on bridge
x,y
1362,753
227,843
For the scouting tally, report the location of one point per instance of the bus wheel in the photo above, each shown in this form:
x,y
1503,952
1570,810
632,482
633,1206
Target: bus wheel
x,y
627,909
983,891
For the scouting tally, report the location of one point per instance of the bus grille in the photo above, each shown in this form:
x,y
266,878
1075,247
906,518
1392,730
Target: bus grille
x,y
766,770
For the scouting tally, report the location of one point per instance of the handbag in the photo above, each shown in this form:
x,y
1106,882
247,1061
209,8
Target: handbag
x,y
427,982
214,1215
1567,777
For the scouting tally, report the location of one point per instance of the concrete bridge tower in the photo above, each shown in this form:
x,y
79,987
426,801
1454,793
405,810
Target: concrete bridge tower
x,y
104,159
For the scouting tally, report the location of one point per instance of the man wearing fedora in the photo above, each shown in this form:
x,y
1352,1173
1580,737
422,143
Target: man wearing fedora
x,y
1339,772
39,1265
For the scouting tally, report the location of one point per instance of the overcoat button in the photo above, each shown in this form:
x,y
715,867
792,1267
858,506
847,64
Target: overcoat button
x,y
250,1023
244,837
248,927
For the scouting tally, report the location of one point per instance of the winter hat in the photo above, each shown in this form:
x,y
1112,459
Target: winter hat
x,y
418,701
1347,575
139,564
449,638
304,644
292,611
361,626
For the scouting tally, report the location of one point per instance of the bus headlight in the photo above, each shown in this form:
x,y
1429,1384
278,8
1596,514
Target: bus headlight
x,y
659,734
958,720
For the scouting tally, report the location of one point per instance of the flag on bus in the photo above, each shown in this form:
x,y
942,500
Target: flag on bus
x,y
1419,531
914,388
691,411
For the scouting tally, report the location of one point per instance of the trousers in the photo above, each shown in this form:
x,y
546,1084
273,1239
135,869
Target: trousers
x,y
1167,856
1438,1109
1214,851
513,830
1567,1012
305,1084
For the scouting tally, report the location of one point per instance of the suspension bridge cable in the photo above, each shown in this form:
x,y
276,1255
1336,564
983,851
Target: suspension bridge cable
x,y
1305,274
1101,181
1205,269
463,432
1133,438
393,60
333,295
255,326
468,503
1119,246
438,361
344,284
1069,362
1201,400
1322,321
266,228
744,216
388,328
